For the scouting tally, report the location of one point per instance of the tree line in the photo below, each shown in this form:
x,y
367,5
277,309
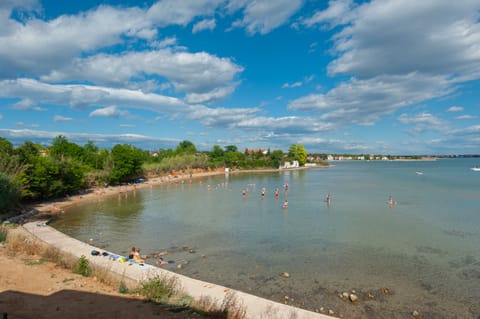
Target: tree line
x,y
31,172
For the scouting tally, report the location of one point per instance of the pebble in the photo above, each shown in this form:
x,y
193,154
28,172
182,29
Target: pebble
x,y
285,274
415,314
353,297
253,277
344,295
322,309
331,312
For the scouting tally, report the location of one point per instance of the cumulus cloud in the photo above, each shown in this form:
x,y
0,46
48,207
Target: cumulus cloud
x,y
168,12
84,96
365,101
59,118
264,16
195,73
207,24
337,13
422,52
110,111
26,105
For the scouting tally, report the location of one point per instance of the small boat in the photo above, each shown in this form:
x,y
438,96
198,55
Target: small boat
x,y
475,169
419,173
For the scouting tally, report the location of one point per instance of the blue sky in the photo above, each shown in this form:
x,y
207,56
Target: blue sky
x,y
390,76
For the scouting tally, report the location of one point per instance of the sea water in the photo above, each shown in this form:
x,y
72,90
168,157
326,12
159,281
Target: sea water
x,y
423,253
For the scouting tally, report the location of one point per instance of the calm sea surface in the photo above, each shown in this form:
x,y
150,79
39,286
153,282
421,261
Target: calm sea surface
x,y
425,249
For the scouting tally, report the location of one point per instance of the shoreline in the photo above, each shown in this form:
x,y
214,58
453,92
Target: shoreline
x,y
57,206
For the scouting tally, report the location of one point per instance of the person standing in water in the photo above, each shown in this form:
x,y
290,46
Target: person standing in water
x,y
391,202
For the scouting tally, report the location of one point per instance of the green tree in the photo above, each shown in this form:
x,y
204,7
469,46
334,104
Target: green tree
x,y
186,147
62,148
93,156
298,152
49,177
126,161
27,152
10,170
5,146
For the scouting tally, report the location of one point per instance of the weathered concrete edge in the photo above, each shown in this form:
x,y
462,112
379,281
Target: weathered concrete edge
x,y
256,307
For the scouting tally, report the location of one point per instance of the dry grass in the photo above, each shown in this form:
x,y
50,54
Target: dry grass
x,y
230,308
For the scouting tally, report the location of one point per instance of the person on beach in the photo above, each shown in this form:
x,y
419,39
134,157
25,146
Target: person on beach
x,y
137,258
132,253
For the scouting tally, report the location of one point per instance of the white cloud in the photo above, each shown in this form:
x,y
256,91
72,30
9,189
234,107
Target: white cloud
x,y
338,12
441,36
168,12
466,117
422,119
167,42
263,16
207,24
26,105
59,118
423,51
36,46
291,85
84,96
455,109
110,111
423,122
365,101
195,73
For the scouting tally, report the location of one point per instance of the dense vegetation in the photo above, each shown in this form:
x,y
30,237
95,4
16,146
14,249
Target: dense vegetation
x,y
31,172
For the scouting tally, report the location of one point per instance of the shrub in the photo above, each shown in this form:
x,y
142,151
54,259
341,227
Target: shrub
x,y
158,289
83,267
123,289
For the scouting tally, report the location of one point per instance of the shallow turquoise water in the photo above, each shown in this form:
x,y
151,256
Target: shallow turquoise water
x,y
426,248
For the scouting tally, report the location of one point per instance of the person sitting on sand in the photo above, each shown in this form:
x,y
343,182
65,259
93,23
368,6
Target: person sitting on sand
x,y
132,253
137,258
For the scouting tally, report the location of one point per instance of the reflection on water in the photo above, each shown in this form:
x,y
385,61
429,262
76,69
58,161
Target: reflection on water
x,y
425,249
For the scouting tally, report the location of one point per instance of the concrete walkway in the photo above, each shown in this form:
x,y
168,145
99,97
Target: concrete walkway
x,y
256,307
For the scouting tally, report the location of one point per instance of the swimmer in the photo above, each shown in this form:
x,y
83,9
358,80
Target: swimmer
x,y
285,204
391,202
161,262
